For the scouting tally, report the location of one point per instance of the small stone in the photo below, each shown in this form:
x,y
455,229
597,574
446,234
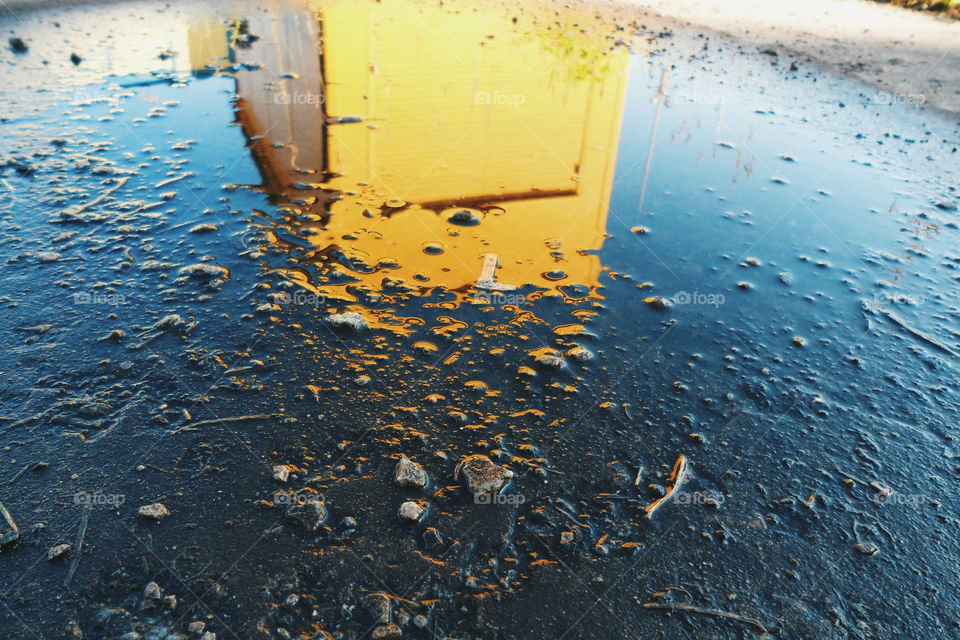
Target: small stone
x,y
9,532
410,474
209,635
292,600
483,477
17,45
640,230
420,621
310,514
197,626
349,522
947,206
658,302
205,270
432,539
566,537
410,511
361,381
75,59
580,354
47,256
549,360
153,511
169,321
281,472
58,550
386,632
170,602
379,607
350,320
152,591
866,548
203,228
464,217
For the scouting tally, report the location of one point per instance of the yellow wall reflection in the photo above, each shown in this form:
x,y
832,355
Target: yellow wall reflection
x,y
418,110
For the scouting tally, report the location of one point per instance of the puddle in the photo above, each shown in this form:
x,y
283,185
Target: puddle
x,y
695,306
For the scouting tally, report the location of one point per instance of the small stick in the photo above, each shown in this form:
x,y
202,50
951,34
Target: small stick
x,y
74,210
203,423
19,473
707,612
80,536
677,477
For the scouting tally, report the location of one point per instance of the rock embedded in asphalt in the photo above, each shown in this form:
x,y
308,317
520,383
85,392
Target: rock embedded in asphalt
x,y
580,354
350,320
153,511
410,511
386,632
484,478
152,591
379,607
309,514
867,548
281,472
205,270
410,474
58,550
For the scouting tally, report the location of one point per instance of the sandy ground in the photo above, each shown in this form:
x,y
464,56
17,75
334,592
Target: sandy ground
x,y
913,54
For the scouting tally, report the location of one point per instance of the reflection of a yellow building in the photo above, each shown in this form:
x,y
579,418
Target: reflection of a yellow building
x,y
424,110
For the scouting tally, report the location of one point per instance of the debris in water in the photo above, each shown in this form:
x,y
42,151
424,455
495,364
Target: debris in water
x,y
580,354
81,535
386,632
11,533
47,256
707,612
870,308
677,478
58,550
153,511
464,217
658,302
205,270
867,548
350,320
202,423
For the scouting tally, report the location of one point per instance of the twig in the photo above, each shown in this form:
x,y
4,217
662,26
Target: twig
x,y
707,612
203,423
80,536
677,478
19,473
72,211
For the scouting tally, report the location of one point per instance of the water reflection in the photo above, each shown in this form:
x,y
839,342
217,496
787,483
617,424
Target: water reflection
x,y
409,142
